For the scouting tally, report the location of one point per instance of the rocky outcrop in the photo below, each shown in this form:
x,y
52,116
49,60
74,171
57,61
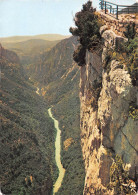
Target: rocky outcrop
x,y
107,128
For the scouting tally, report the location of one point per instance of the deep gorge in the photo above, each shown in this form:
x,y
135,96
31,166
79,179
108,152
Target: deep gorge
x,y
65,101
95,104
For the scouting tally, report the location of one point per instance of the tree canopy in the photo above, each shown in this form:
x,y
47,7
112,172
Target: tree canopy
x,y
87,30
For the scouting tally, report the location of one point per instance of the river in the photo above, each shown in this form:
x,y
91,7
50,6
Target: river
x,y
59,180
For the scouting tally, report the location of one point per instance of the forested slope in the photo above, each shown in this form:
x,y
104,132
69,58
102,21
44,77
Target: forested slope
x,y
27,133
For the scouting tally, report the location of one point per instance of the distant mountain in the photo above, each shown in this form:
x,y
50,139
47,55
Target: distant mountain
x,y
30,47
48,37
26,133
27,50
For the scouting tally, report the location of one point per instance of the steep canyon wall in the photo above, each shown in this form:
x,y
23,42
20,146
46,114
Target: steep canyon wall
x,y
107,129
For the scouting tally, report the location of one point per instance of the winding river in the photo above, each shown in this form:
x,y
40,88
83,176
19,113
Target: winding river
x,y
59,180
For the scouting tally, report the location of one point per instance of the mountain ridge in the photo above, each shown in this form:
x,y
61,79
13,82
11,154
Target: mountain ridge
x,y
50,37
30,47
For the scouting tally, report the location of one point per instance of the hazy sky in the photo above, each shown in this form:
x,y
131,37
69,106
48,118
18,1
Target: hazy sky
x,y
31,17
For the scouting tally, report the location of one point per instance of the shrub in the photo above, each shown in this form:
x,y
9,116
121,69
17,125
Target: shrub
x,y
130,31
119,179
79,55
126,53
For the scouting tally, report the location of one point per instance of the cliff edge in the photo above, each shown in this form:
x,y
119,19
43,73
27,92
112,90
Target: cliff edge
x,y
108,127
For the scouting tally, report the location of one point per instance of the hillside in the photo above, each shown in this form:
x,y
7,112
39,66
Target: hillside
x,y
27,133
57,76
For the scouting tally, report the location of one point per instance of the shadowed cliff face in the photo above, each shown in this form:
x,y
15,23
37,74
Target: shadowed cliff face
x,y
9,56
106,126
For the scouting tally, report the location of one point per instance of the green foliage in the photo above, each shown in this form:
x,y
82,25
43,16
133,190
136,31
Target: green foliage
x,y
79,55
130,31
119,177
133,60
129,56
87,29
130,48
126,53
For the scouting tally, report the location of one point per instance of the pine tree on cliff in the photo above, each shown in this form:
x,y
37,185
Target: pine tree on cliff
x,y
87,29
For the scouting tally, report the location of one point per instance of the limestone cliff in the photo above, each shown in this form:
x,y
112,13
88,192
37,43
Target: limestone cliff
x,y
107,128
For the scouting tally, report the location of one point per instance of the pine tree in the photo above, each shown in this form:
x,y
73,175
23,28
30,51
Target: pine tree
x,y
87,31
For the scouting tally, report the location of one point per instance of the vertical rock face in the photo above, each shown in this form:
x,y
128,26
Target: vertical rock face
x,y
91,136
106,127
